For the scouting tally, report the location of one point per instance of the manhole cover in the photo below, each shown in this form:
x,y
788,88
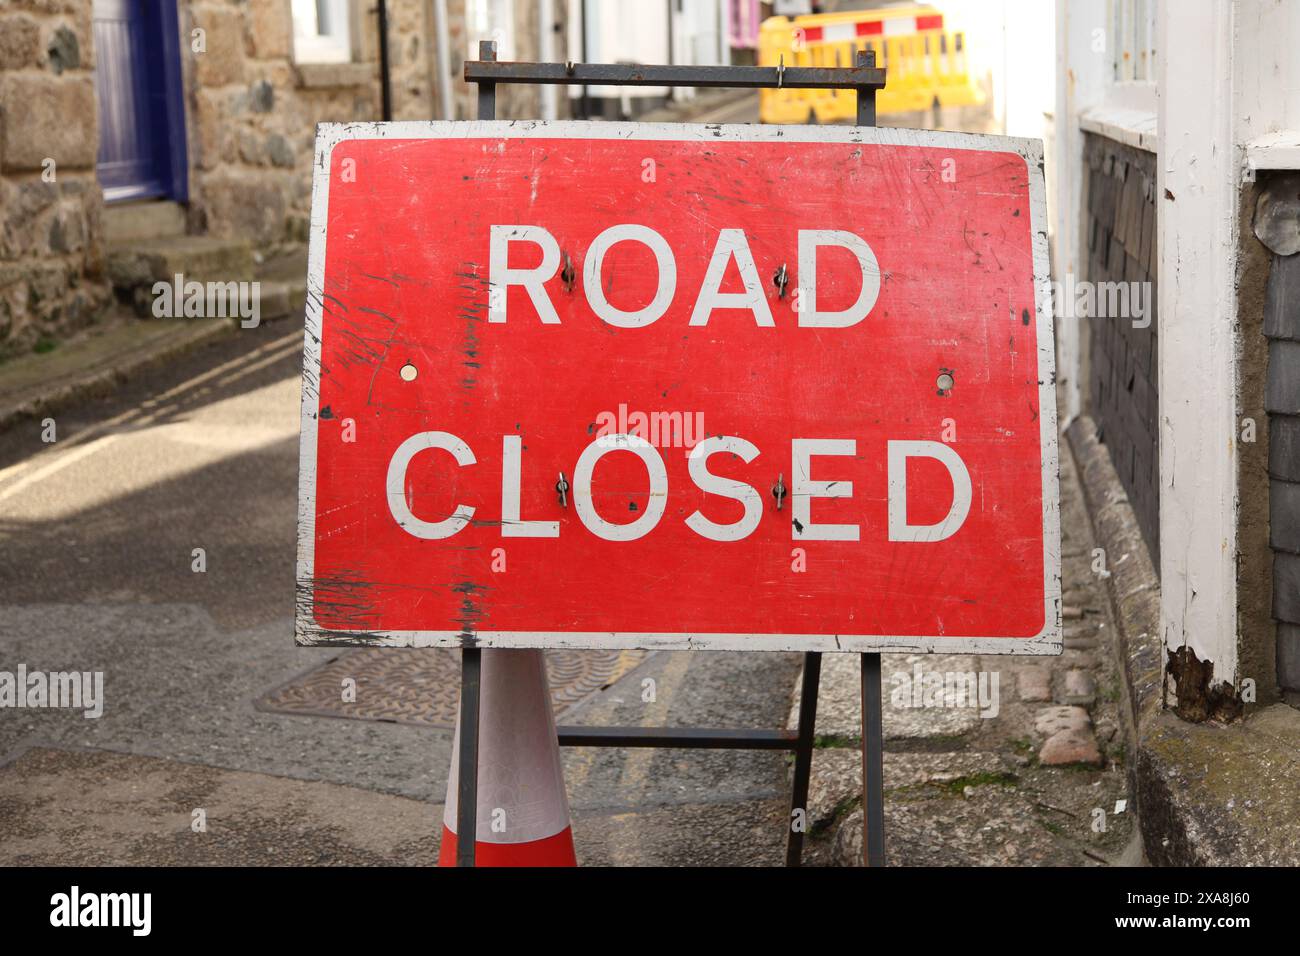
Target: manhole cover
x,y
422,686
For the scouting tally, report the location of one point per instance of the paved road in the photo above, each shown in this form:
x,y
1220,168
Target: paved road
x,y
97,537
743,109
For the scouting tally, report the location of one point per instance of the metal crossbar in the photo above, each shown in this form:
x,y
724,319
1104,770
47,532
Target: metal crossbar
x,y
862,77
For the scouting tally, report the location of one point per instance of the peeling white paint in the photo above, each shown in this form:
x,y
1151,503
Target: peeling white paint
x,y
1197,197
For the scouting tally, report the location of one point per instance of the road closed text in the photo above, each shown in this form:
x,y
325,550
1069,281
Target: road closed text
x,y
802,489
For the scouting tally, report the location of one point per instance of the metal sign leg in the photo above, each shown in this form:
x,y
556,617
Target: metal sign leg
x,y
471,670
471,658
812,667
873,731
873,764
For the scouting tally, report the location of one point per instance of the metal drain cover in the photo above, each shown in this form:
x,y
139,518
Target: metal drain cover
x,y
422,686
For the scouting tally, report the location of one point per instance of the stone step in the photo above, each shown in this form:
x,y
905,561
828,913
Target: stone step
x,y
283,281
134,266
283,299
95,362
150,219
203,258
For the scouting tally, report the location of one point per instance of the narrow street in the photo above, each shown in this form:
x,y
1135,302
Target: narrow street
x,y
97,535
209,701
209,705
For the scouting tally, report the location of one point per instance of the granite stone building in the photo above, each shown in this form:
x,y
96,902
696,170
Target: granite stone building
x,y
139,138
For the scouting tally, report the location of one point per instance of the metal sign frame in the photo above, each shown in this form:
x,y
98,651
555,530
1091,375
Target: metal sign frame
x,y
865,79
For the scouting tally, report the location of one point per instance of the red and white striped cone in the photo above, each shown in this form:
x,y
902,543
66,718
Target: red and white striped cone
x,y
523,811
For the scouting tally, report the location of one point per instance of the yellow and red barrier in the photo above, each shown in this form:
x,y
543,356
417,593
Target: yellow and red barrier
x,y
924,62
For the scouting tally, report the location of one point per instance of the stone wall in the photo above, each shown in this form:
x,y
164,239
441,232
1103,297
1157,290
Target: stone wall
x,y
251,116
51,260
254,112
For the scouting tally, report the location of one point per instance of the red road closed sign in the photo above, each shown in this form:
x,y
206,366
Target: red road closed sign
x,y
633,385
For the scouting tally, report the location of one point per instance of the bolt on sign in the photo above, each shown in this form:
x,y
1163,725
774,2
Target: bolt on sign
x,y
665,386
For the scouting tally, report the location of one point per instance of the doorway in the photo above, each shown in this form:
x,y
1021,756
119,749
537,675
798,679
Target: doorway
x,y
138,88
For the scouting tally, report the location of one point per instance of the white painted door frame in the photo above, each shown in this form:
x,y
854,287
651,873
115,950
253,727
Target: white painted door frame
x,y
1198,180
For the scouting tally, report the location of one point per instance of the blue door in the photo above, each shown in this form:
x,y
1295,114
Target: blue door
x,y
141,106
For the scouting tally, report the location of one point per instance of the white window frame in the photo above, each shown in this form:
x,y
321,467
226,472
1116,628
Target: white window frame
x,y
1133,31
310,44
1126,106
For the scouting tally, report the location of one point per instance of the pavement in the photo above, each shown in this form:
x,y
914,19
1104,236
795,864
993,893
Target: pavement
x,y
97,537
1034,773
1210,793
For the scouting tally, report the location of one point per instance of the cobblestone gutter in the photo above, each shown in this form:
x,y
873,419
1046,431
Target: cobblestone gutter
x,y
1039,779
1207,794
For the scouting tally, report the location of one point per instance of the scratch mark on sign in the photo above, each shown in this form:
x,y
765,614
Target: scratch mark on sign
x,y
473,304
471,608
343,597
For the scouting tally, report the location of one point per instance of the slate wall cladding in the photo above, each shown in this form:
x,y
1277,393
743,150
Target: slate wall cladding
x,y
1282,401
1120,232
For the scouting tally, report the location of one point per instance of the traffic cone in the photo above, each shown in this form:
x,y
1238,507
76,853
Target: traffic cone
x,y
523,812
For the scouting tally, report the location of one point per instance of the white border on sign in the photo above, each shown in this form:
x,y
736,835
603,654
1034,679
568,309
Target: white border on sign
x,y
329,135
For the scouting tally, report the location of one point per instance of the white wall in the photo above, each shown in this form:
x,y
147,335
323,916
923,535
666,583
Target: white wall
x,y
637,31
1226,73
1194,123
1268,79
700,33
1012,43
619,31
1080,86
